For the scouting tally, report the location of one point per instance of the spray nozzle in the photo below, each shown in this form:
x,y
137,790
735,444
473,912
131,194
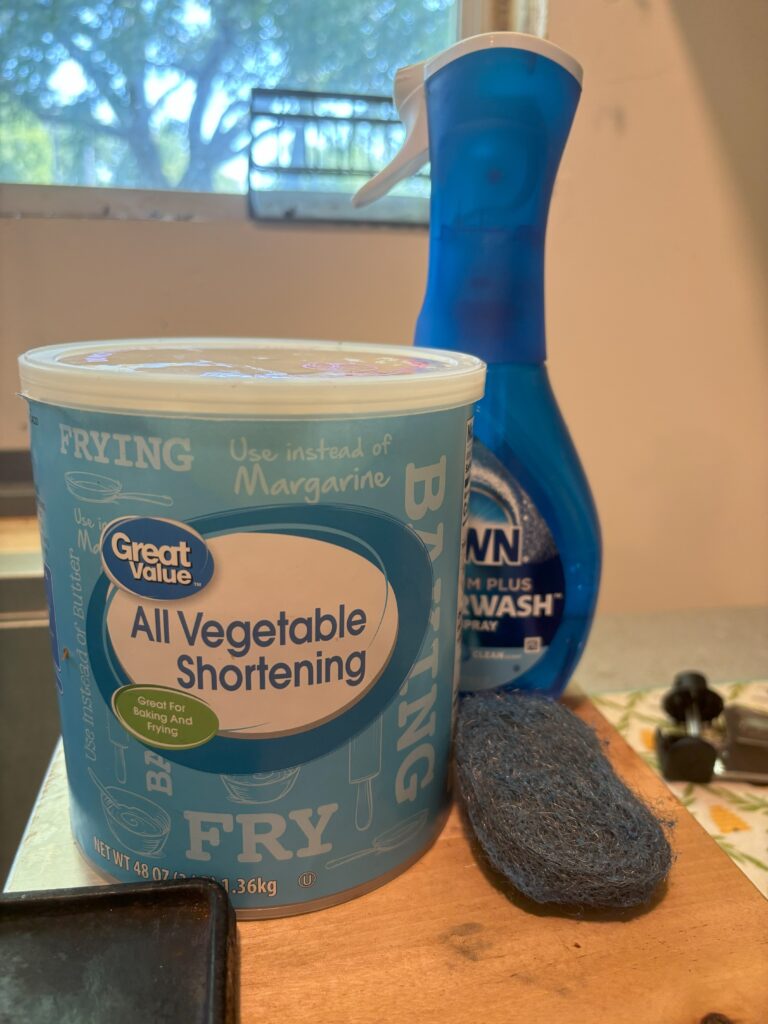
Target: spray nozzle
x,y
411,101
491,114
414,153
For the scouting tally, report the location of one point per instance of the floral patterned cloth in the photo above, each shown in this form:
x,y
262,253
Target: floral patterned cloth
x,y
734,813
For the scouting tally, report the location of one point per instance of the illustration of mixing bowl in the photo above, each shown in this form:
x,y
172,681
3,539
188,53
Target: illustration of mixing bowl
x,y
138,824
261,788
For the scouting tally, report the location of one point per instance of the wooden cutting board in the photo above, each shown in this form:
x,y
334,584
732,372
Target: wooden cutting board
x,y
445,943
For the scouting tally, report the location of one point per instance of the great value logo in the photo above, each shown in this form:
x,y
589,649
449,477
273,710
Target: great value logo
x,y
155,558
315,618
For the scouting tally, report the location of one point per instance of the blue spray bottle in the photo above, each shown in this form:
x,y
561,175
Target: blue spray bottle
x,y
492,115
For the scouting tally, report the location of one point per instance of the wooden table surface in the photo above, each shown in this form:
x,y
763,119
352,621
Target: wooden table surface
x,y
446,942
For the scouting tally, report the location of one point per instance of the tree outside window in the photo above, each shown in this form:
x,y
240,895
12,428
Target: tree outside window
x,y
155,93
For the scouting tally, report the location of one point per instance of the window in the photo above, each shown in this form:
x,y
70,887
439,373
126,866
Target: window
x,y
311,151
156,94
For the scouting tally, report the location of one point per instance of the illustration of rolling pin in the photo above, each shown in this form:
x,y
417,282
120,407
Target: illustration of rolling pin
x,y
364,766
119,740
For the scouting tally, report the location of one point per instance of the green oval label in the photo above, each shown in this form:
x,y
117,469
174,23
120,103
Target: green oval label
x,y
165,718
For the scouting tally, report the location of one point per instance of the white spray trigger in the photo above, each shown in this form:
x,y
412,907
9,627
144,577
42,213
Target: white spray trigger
x,y
414,153
407,80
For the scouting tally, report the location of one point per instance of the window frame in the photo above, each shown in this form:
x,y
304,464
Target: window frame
x,y
82,202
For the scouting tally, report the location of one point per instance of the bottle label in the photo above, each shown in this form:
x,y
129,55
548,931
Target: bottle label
x,y
514,590
255,633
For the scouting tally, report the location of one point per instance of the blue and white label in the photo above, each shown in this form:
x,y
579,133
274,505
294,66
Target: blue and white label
x,y
304,634
514,589
155,558
261,623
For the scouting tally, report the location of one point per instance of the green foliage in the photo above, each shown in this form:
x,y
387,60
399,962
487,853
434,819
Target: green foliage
x,y
740,856
26,150
170,140
165,83
749,802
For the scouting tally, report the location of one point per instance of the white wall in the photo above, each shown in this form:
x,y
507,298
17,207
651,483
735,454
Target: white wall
x,y
657,302
658,254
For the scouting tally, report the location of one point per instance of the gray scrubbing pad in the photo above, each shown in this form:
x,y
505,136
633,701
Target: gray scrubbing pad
x,y
548,809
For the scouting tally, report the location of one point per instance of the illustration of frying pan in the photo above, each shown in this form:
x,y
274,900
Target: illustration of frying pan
x,y
391,839
104,490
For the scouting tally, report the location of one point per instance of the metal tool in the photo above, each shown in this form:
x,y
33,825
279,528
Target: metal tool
x,y
684,753
709,739
744,751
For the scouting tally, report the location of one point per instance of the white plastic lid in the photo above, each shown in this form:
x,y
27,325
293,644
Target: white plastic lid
x,y
504,40
237,377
